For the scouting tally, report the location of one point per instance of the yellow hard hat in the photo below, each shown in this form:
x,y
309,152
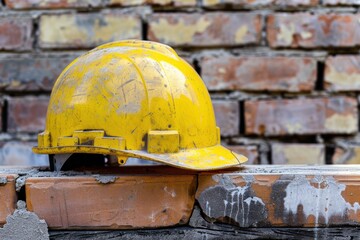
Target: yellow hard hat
x,y
134,99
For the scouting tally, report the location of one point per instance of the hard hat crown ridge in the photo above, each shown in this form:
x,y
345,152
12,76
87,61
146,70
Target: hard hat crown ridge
x,y
134,99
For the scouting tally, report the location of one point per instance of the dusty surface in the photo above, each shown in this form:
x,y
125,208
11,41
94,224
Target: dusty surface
x,y
123,202
301,116
211,29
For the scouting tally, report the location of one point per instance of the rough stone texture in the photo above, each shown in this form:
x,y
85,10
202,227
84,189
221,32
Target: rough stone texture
x,y
259,73
31,74
15,33
259,3
27,114
250,151
8,196
227,115
175,3
200,233
209,29
85,30
341,2
309,31
298,153
19,153
342,73
24,225
350,155
130,202
40,4
296,197
301,116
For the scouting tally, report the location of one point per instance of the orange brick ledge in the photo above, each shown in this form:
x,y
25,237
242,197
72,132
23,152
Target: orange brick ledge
x,y
158,196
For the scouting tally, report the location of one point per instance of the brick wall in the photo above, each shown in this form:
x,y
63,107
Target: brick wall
x,y
284,75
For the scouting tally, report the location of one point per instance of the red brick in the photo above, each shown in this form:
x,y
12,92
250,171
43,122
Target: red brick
x,y
19,153
310,31
298,153
129,202
259,3
340,2
342,73
85,30
27,114
41,4
8,196
350,155
259,73
209,29
251,152
301,116
15,33
175,3
281,196
227,117
36,74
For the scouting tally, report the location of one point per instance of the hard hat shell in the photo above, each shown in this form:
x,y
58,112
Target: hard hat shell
x,y
135,99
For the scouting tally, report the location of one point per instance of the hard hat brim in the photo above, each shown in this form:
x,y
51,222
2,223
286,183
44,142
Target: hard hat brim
x,y
203,159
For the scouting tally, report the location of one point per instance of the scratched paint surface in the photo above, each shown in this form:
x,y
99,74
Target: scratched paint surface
x,y
135,92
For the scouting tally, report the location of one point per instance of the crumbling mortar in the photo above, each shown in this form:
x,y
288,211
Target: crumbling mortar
x,y
103,179
24,225
3,180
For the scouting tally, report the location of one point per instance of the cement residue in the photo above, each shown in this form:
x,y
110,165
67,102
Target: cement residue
x,y
3,180
105,179
20,182
24,225
237,205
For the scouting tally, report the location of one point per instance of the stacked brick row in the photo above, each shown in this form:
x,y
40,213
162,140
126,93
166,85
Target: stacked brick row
x,y
284,75
256,196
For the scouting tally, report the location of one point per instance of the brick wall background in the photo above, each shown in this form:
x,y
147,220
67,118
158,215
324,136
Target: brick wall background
x,y
284,75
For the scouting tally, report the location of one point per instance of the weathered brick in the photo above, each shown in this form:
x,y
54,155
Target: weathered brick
x,y
227,117
351,155
297,153
259,73
259,3
209,29
175,3
279,196
127,202
36,74
8,196
85,30
40,4
341,2
19,153
313,30
15,33
301,116
251,152
342,73
27,114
